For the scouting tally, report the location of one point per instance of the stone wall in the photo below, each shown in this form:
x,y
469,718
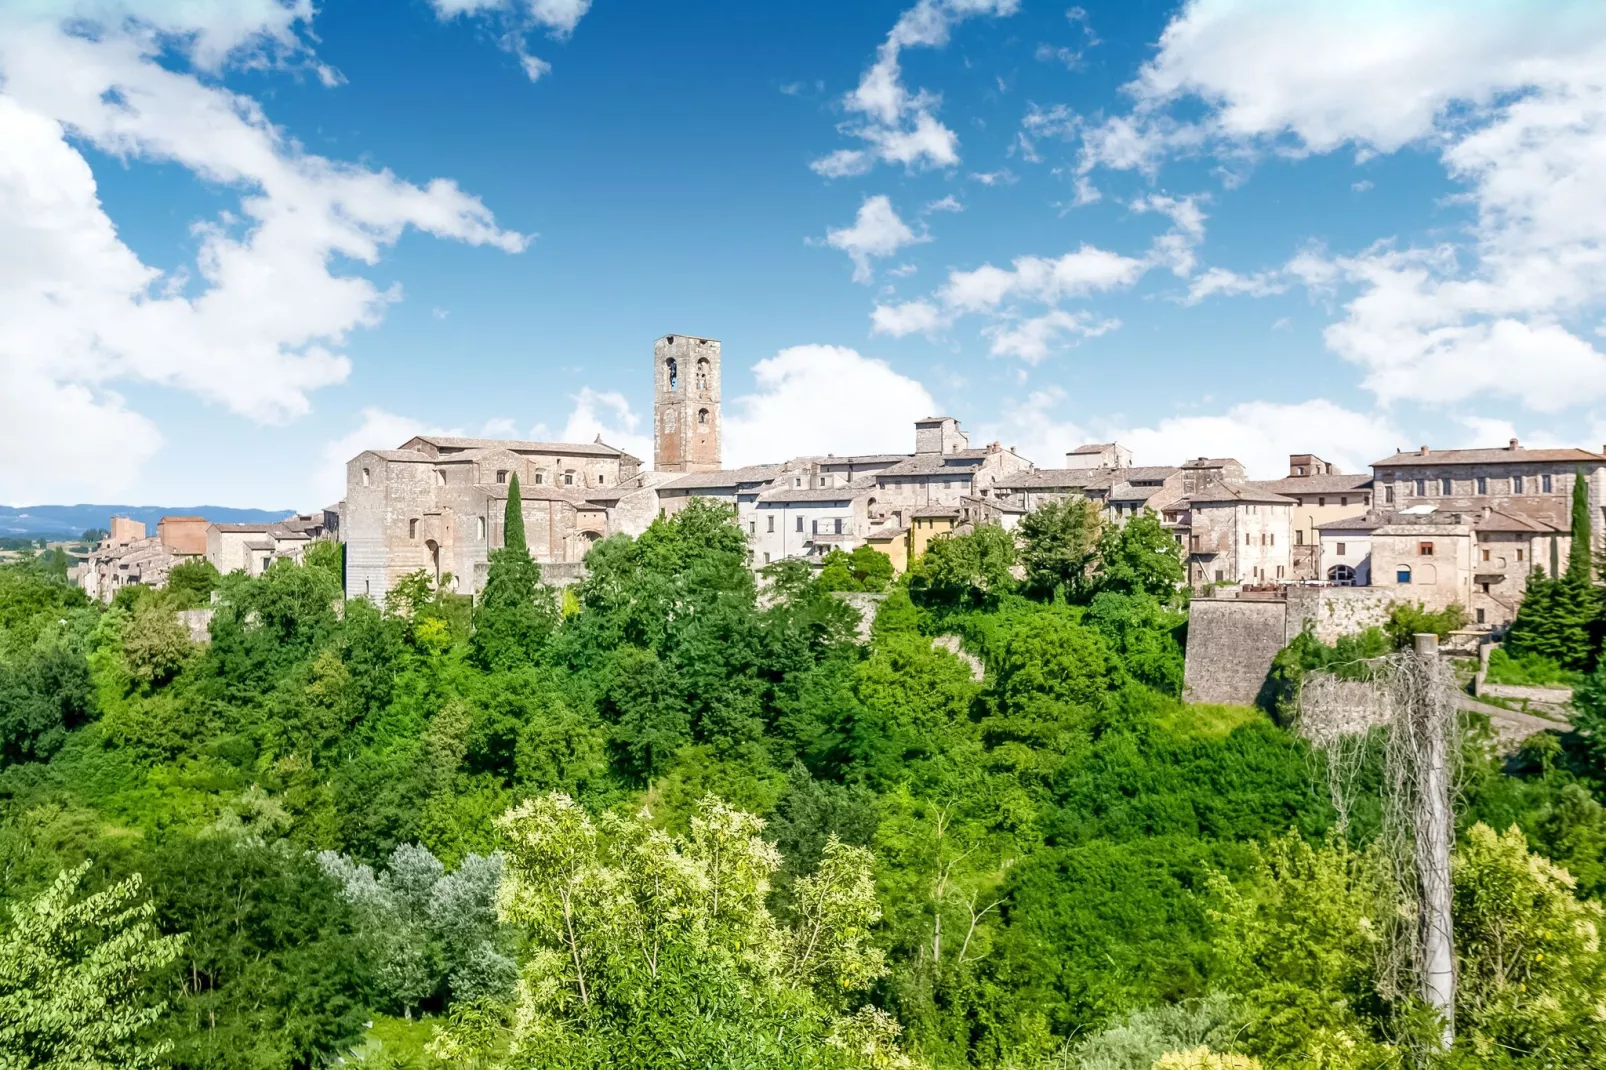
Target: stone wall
x,y
868,604
1336,611
1231,644
198,622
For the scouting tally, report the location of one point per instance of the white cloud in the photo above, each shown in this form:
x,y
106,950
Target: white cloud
x,y
900,126
1004,177
1516,108
910,317
1175,248
606,414
379,430
1033,339
817,399
1071,57
518,20
1219,281
948,204
877,231
1088,270
256,323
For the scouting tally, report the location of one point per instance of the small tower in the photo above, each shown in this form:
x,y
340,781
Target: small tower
x,y
685,432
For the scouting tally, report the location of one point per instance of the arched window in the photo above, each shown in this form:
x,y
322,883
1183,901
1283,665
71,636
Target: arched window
x,y
568,479
412,528
1403,575
479,528
702,418
702,373
673,371
1341,576
540,478
365,477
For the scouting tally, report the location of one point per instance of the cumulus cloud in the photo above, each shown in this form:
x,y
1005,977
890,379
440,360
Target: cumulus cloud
x,y
901,126
1033,339
377,430
909,317
817,399
256,323
518,21
607,414
877,231
1516,109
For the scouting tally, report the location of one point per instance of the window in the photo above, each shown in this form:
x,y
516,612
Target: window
x,y
412,529
1279,572
1424,549
673,371
1339,548
1483,484
838,525
1273,538
1218,575
1484,587
702,373
1246,539
702,418
1388,494
1321,501
568,479
1421,488
766,557
1403,576
1366,499
752,527
1516,484
1446,487
1343,501
1480,616
1544,483
1299,537
771,524
540,477
365,477
800,523
1341,576
501,475
479,528
1519,555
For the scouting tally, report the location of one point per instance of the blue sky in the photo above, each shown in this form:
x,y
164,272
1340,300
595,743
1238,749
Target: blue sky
x,y
252,238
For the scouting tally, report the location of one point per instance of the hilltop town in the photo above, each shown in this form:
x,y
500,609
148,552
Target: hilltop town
x,y
1440,527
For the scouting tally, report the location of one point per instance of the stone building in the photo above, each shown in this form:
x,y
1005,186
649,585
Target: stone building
x,y
437,504
253,548
1321,493
1535,484
1427,558
686,416
1099,455
1236,533
127,556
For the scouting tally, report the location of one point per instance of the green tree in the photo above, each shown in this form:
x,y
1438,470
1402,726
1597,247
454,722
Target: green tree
x,y
964,571
190,583
75,976
513,518
1140,557
515,615
1579,569
1410,619
649,949
865,569
1061,548
329,555
155,645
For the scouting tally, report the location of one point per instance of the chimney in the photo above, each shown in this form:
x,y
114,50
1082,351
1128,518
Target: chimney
x,y
1513,444
1423,451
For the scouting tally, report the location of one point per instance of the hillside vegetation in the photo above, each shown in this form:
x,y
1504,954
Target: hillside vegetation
x,y
677,817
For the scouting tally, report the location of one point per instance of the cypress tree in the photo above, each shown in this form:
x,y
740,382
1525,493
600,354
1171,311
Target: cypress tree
x,y
513,519
1578,563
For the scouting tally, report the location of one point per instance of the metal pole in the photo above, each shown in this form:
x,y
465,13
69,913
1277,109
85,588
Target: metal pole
x,y
1429,731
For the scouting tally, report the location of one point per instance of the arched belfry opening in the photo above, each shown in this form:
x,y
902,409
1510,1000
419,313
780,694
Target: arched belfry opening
x,y
686,423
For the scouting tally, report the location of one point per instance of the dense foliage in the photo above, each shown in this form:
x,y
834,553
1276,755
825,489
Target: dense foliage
x,y
682,815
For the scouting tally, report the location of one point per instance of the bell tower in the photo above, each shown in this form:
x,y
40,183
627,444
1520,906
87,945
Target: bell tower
x,y
685,410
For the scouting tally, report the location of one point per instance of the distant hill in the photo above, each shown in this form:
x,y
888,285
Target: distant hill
x,y
57,521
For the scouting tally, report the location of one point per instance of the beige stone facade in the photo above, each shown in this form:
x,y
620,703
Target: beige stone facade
x,y
1236,533
1320,494
437,505
686,411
